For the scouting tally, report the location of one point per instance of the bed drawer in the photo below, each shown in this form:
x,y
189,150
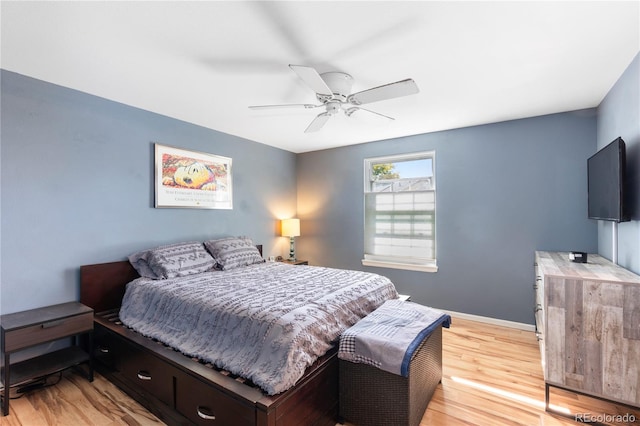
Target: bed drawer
x,y
147,372
106,348
205,405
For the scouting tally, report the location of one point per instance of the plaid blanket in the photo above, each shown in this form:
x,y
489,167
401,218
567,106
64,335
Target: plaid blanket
x,y
388,337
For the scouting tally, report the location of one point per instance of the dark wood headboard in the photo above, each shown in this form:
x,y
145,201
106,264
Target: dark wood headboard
x,y
102,285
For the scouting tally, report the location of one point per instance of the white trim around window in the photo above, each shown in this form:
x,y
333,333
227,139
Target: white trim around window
x,y
405,266
400,211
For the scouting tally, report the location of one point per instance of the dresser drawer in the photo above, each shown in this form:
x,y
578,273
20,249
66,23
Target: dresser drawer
x,y
205,405
145,371
539,289
538,310
47,331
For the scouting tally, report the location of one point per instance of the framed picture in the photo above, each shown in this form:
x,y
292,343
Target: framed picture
x,y
192,179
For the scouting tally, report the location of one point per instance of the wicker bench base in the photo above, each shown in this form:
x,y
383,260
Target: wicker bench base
x,y
373,397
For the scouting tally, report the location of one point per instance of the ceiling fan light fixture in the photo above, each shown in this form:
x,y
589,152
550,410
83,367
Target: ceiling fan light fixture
x,y
333,107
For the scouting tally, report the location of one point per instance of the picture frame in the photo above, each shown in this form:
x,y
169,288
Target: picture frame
x,y
192,179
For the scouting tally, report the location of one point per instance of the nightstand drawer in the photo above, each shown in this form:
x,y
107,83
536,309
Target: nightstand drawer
x,y
295,262
46,331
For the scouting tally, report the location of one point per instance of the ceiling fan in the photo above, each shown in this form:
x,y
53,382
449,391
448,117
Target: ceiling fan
x,y
333,91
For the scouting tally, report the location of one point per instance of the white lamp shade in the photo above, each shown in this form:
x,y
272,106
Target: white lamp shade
x,y
291,227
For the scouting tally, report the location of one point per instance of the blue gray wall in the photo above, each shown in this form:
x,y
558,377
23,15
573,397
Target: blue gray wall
x,y
619,115
504,190
78,188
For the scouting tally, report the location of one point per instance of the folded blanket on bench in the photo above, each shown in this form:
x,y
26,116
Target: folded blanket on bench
x,y
388,337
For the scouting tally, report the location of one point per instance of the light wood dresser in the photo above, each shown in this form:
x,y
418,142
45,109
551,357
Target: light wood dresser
x,y
588,326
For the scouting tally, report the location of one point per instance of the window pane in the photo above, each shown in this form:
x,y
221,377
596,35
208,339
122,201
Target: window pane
x,y
404,169
401,185
400,208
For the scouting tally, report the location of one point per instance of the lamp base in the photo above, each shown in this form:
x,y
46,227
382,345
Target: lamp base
x,y
292,252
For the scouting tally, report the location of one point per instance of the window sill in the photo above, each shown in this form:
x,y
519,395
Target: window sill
x,y
405,266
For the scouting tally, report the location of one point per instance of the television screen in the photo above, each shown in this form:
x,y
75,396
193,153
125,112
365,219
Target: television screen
x,y
606,169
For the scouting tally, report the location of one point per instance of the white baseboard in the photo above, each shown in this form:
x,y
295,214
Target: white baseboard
x,y
493,321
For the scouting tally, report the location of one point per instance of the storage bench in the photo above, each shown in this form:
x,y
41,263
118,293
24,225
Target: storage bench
x,y
370,396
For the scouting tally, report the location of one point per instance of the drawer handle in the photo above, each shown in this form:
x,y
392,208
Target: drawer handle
x,y
537,308
103,350
535,286
52,324
143,375
204,415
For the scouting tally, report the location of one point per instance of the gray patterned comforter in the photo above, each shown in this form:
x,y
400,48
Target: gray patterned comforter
x,y
266,322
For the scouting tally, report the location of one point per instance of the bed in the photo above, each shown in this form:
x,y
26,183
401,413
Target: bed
x,y
184,386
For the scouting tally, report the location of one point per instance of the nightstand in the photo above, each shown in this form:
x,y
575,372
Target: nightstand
x,y
295,262
22,330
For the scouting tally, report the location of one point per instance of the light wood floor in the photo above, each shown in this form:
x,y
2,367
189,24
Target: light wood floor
x,y
492,376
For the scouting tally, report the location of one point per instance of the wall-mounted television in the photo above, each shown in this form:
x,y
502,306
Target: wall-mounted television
x,y
606,174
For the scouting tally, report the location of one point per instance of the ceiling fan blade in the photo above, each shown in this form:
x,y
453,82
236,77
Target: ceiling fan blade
x,y
284,106
351,110
387,91
318,122
312,79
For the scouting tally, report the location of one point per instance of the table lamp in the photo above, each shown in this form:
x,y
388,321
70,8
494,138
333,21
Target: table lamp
x,y
291,229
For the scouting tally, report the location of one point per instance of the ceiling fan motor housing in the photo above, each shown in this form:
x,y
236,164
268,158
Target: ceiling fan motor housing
x,y
340,84
333,90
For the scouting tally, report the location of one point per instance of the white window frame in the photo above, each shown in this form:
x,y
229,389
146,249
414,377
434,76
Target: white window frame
x,y
400,262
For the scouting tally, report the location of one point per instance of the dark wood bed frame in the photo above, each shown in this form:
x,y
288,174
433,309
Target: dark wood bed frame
x,y
182,390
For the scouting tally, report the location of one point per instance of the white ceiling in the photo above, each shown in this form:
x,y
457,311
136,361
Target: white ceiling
x,y
205,62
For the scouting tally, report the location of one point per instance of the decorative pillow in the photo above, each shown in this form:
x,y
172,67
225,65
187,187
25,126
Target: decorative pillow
x,y
233,252
174,260
140,263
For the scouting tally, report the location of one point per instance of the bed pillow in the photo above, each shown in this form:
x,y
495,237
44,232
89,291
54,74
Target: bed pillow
x,y
140,263
174,260
233,252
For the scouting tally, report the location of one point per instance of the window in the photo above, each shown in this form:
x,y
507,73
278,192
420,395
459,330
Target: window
x,y
400,212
